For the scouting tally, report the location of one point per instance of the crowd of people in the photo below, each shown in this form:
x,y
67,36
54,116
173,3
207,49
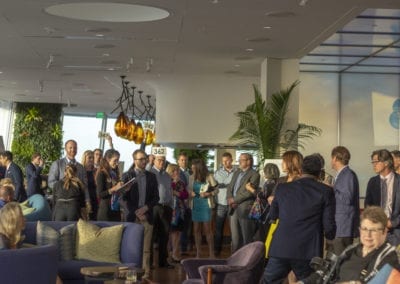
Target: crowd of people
x,y
312,211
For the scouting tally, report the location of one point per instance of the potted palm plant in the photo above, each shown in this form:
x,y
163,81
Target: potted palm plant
x,y
261,126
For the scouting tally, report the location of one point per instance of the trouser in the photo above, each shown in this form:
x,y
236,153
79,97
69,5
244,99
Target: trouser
x,y
222,213
162,216
148,233
66,211
187,230
278,269
242,231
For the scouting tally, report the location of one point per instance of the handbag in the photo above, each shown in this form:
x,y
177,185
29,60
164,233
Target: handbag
x,y
258,210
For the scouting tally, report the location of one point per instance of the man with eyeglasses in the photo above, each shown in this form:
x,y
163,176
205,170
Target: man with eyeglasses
x,y
140,200
384,190
163,210
240,201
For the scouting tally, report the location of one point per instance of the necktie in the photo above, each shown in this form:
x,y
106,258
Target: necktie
x,y
383,193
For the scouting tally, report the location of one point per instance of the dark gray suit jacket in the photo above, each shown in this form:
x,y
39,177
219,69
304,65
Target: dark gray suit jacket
x,y
373,197
243,198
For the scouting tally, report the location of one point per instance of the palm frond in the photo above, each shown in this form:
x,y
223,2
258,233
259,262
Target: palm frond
x,y
261,124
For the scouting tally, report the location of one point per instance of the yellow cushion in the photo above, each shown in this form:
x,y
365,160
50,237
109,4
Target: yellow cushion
x,y
26,208
98,244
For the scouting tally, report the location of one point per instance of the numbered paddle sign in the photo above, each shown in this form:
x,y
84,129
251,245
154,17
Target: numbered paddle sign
x,y
159,151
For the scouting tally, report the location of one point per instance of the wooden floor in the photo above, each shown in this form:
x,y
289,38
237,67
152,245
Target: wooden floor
x,y
177,275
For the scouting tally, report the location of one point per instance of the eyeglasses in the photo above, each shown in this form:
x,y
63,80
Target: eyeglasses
x,y
373,231
141,159
374,162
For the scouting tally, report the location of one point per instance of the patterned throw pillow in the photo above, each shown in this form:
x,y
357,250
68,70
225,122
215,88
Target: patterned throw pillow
x,y
64,239
98,244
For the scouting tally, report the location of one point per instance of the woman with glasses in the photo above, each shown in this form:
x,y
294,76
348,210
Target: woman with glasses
x,y
360,262
108,183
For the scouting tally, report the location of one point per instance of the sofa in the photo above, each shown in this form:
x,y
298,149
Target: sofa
x,y
29,265
131,248
42,208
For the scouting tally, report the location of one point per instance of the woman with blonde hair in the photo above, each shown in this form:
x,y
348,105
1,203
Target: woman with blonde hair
x,y
179,208
12,222
88,164
69,197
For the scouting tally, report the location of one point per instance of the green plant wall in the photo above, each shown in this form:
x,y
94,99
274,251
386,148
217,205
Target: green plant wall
x,y
37,128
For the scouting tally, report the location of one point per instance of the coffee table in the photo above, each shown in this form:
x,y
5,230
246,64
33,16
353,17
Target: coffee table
x,y
108,273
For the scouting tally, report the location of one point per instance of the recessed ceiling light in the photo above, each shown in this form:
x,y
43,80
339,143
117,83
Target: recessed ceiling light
x,y
110,69
249,49
1,72
237,65
99,35
108,12
106,54
267,27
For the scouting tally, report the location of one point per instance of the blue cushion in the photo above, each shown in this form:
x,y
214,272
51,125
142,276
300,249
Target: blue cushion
x,y
64,239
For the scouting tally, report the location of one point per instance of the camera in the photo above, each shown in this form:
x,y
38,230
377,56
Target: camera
x,y
325,269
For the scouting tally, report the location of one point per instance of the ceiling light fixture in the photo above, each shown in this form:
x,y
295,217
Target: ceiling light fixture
x,y
249,49
267,27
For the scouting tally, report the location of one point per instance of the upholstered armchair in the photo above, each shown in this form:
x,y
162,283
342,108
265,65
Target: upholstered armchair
x,y
29,265
245,266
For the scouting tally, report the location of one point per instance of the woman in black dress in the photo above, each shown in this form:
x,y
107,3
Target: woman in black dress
x,y
108,184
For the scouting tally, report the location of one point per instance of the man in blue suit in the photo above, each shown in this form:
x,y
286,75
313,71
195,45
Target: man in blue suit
x,y
384,190
347,196
306,212
14,172
33,175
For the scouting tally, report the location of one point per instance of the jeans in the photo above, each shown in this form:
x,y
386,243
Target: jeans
x,y
222,213
278,268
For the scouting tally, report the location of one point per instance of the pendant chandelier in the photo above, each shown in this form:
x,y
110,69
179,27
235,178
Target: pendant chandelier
x,y
136,120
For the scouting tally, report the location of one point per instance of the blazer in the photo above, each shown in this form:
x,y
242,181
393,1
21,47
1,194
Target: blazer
x,y
57,170
306,212
347,195
131,197
34,179
244,199
373,198
14,172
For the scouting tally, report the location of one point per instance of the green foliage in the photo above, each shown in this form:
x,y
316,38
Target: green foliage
x,y
193,154
261,126
37,128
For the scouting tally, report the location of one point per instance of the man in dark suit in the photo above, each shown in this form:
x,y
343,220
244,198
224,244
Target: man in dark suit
x,y
347,196
140,200
14,172
240,201
384,190
306,211
33,171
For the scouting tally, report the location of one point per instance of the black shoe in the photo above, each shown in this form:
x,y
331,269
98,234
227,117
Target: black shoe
x,y
167,266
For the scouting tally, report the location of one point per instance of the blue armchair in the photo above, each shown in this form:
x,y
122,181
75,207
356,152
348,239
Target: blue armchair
x,y
29,265
245,266
42,209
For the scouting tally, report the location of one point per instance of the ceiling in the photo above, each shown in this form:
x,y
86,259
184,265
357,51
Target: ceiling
x,y
46,58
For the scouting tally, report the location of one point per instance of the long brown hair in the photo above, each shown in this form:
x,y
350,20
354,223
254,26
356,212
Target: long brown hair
x,y
200,171
294,161
105,165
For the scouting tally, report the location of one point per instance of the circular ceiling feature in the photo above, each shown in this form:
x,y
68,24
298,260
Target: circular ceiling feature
x,y
107,12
